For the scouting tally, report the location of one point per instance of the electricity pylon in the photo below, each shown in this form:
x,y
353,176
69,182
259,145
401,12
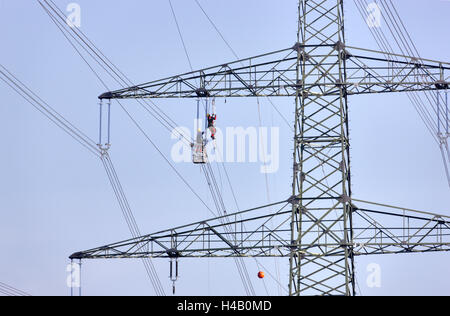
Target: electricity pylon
x,y
320,227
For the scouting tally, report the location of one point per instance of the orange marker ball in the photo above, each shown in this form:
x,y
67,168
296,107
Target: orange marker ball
x,y
261,275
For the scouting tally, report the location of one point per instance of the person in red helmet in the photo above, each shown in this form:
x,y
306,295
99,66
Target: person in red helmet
x,y
212,125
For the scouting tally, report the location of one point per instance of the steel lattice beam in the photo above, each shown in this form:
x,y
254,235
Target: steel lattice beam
x,y
274,75
265,232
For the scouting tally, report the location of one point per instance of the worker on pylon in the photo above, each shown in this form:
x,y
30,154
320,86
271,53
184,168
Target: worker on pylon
x,y
212,125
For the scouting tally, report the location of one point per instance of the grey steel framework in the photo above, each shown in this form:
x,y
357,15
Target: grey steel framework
x,y
320,227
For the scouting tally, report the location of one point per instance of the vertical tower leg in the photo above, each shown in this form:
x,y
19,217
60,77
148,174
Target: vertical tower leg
x,y
321,261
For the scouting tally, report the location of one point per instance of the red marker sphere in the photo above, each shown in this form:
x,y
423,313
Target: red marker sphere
x,y
261,275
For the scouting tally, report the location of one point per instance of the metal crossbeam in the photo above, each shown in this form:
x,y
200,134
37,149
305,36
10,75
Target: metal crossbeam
x,y
274,75
265,232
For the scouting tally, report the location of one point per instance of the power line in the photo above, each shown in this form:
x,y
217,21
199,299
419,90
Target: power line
x,y
63,123
321,255
96,55
11,291
404,42
117,75
181,35
20,88
217,30
135,122
211,180
259,111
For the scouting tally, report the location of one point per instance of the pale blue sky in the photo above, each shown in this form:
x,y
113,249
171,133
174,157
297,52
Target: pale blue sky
x,y
56,198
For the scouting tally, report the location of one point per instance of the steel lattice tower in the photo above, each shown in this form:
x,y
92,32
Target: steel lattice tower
x,y
319,227
321,135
